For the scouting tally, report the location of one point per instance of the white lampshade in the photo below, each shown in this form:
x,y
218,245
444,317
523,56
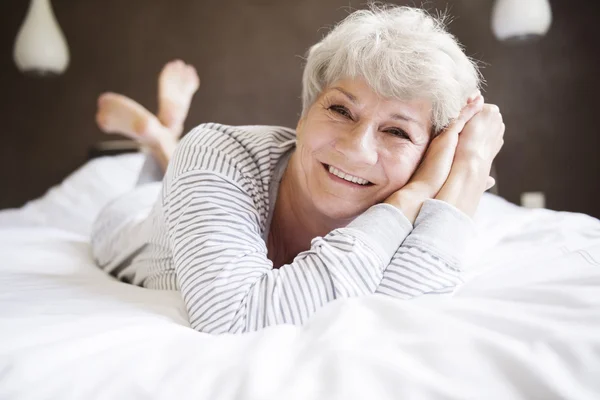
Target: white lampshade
x,y
515,20
41,47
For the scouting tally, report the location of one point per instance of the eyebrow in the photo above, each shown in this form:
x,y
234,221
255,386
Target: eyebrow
x,y
349,95
397,117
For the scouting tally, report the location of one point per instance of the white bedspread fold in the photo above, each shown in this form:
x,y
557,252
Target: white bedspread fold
x,y
525,325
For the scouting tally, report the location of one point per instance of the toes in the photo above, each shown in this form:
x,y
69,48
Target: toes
x,y
180,72
108,96
193,76
103,99
173,66
190,70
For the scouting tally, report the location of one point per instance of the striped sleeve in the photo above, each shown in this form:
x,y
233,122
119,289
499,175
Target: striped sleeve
x,y
213,206
429,260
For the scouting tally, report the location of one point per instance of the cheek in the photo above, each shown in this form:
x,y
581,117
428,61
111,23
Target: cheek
x,y
315,138
309,144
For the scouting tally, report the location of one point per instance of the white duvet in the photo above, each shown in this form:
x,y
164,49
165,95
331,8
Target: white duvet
x,y
525,325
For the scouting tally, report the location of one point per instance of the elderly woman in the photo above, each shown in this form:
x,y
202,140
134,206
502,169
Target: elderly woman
x,y
371,193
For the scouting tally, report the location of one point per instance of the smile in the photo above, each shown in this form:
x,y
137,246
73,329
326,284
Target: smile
x,y
346,177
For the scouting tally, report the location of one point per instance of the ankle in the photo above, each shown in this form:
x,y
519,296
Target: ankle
x,y
163,148
175,129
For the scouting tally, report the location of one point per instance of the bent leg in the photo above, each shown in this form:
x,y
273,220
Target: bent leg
x,y
122,115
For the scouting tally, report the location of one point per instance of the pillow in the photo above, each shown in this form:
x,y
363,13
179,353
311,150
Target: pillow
x,y
74,204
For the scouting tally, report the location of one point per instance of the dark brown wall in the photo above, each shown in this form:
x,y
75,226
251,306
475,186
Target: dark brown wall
x,y
248,56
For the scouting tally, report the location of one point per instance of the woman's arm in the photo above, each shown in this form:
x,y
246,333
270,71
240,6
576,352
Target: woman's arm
x,y
430,259
212,208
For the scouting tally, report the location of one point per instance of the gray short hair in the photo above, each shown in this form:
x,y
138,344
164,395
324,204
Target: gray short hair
x,y
401,52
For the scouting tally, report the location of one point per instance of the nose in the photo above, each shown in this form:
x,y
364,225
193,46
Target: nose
x,y
358,145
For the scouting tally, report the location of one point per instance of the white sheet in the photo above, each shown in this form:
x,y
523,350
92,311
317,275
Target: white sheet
x,y
526,325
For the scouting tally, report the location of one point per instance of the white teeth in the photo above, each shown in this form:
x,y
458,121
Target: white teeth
x,y
349,178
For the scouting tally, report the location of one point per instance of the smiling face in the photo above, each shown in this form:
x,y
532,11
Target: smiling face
x,y
355,148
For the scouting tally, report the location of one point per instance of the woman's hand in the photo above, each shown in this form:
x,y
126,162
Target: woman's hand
x,y
482,138
478,144
436,165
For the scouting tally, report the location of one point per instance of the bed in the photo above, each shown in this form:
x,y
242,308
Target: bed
x,y
524,325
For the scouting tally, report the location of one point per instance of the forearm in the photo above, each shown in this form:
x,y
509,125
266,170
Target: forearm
x,y
228,283
430,259
465,186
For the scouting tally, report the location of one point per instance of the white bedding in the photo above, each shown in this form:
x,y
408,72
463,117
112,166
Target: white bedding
x,y
525,325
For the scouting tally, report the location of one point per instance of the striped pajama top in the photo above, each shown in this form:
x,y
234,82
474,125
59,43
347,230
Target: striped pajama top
x,y
206,237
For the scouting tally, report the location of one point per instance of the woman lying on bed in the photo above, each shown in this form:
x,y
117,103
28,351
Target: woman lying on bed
x,y
371,193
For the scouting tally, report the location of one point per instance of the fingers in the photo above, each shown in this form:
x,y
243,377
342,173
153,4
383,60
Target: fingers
x,y
473,96
500,141
492,108
496,121
473,107
442,149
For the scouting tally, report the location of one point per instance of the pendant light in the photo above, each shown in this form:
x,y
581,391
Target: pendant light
x,y
521,20
40,47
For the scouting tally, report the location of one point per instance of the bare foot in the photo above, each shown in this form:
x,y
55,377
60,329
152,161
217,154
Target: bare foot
x,y
177,84
120,114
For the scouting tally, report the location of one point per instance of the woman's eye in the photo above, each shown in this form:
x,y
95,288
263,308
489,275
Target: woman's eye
x,y
398,132
341,110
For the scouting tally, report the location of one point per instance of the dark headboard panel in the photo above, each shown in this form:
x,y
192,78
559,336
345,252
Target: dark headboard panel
x,y
248,55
